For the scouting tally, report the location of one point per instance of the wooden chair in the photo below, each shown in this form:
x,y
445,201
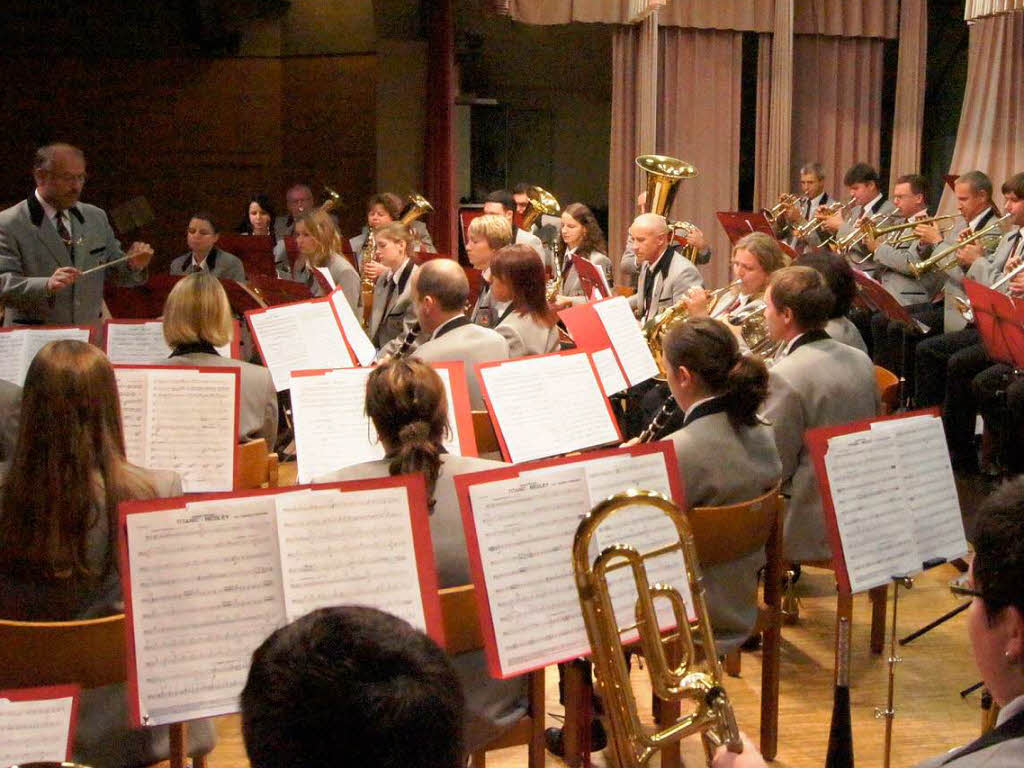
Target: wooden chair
x,y
257,468
486,439
888,388
462,633
90,653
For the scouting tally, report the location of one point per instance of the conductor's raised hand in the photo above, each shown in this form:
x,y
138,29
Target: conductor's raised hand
x,y
61,278
139,255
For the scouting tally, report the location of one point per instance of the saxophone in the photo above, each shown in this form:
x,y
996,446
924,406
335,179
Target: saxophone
x,y
367,254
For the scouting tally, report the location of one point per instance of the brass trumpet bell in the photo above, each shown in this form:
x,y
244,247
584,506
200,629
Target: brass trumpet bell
x,y
541,202
663,175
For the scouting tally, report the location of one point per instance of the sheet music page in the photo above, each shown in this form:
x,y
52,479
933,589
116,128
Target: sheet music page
x,y
327,276
877,538
549,405
190,427
34,731
340,548
142,343
929,491
133,392
12,357
627,339
609,371
298,337
525,529
205,591
452,444
331,427
362,346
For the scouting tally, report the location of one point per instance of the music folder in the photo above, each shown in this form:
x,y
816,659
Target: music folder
x,y
1000,322
19,345
142,341
591,277
737,224
37,725
545,405
182,418
520,522
208,578
332,429
887,490
609,332
880,300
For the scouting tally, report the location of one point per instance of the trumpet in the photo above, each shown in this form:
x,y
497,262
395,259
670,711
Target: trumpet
x,y
874,232
963,306
814,224
846,243
712,715
776,212
947,257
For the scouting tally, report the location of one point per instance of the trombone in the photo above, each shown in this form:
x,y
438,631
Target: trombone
x,y
947,257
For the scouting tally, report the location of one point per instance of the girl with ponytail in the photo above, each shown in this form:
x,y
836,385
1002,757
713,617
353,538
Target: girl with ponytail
x,y
726,454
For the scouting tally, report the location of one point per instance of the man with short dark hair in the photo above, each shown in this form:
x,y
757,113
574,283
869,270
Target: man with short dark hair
x,y
53,229
817,382
352,686
502,203
862,181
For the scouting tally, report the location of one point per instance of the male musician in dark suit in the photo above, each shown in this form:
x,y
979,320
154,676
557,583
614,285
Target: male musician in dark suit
x,y
862,180
49,240
440,289
947,364
817,382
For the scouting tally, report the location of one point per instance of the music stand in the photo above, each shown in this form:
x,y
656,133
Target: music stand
x,y
255,251
737,224
139,302
1000,323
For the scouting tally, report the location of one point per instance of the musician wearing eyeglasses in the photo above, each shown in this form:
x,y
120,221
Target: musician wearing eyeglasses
x,y
53,227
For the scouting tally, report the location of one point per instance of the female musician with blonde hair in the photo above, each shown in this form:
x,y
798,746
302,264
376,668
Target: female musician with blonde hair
x,y
58,528
527,322
197,320
754,258
582,237
393,313
485,236
406,402
319,244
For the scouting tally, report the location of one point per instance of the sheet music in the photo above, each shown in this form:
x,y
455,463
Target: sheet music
x,y
183,420
19,347
867,495
361,345
332,429
929,491
627,340
525,530
205,592
349,548
608,370
299,337
327,276
548,405
142,343
34,731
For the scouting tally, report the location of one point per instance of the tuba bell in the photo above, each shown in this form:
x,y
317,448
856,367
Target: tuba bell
x,y
541,202
418,206
685,678
663,175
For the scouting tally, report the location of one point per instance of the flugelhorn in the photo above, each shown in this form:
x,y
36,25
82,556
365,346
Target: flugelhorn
x,y
815,222
947,257
712,715
846,243
663,176
786,200
540,202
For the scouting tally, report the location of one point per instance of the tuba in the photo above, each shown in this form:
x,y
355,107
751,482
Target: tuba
x,y
683,679
663,175
418,206
541,202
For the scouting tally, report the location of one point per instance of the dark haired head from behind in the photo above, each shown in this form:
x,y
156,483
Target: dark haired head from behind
x,y
352,686
804,292
838,276
704,360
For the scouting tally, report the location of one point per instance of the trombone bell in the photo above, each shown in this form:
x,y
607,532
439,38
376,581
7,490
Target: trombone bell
x,y
663,175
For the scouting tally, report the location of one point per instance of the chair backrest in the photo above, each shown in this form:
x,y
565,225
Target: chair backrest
x,y
460,619
256,467
486,439
722,534
888,388
90,652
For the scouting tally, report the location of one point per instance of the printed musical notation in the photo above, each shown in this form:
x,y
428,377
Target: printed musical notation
x,y
18,346
141,343
35,729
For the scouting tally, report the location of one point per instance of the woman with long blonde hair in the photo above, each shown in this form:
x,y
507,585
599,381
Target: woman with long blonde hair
x,y
320,264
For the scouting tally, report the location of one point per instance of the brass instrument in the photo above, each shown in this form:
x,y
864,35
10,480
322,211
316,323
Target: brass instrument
x,y
367,254
657,327
663,175
777,211
814,223
333,200
754,329
554,285
712,715
417,207
963,306
683,229
846,243
874,232
541,202
946,258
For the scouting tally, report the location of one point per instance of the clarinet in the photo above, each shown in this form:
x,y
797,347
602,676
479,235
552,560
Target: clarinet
x,y
668,410
408,343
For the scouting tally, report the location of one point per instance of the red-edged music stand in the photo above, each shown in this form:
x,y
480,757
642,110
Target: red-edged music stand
x,y
873,297
255,251
273,291
1000,322
737,224
139,302
950,179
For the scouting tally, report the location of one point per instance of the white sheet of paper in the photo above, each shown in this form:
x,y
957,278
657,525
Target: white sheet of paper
x,y
525,529
19,347
627,340
205,591
142,343
181,419
327,276
549,405
299,337
34,731
876,534
608,370
349,548
362,346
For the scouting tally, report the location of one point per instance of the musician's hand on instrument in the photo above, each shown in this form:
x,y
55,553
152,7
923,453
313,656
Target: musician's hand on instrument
x,y
969,254
696,302
697,239
139,255
630,443
792,214
750,757
832,222
928,233
871,243
373,269
61,278
1016,286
